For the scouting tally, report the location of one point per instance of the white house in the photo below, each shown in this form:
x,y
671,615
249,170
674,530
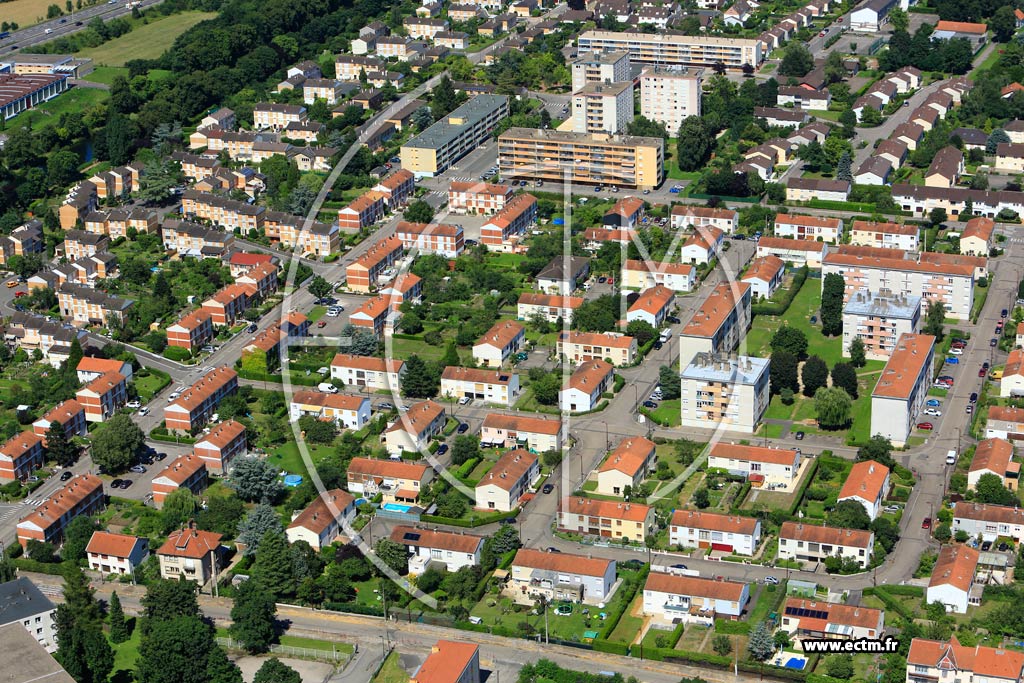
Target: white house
x,y
867,484
368,371
109,553
989,522
396,481
538,434
952,581
414,428
454,550
772,464
637,274
583,390
323,520
496,346
727,533
346,410
652,306
808,543
834,621
490,386
628,465
994,456
702,246
668,598
505,483
764,275
560,576
1012,382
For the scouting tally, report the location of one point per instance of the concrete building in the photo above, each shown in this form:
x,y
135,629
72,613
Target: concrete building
x,y
222,444
478,198
563,276
602,108
676,49
449,139
723,392
1005,423
24,605
194,407
869,16
538,434
761,465
506,229
433,238
885,235
684,216
807,543
952,581
579,347
507,481
976,238
560,576
718,325
902,389
652,306
191,554
324,520
669,599
606,519
584,389
489,386
879,320
669,95
712,531
121,554
600,67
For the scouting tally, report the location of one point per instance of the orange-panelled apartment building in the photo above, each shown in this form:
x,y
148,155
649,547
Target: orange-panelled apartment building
x,y
193,408
501,232
102,397
192,331
82,495
70,414
365,270
186,472
21,454
220,446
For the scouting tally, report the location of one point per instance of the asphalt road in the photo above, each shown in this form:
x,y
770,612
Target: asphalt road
x,y
34,35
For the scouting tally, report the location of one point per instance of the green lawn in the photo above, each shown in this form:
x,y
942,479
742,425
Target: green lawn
x,y
151,383
314,644
74,100
392,671
316,313
405,348
288,458
106,74
145,42
805,304
125,655
668,413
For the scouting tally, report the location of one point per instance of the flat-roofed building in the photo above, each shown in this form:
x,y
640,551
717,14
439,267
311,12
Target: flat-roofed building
x,y
879,319
602,107
449,139
600,67
670,94
489,386
323,521
886,235
20,92
719,391
27,619
670,599
676,49
557,156
902,389
617,521
578,347
538,434
808,543
733,534
719,324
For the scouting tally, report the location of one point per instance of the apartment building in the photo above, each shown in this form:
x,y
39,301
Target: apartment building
x,y
477,198
994,456
363,273
222,444
397,188
798,252
405,287
886,235
433,238
643,275
674,49
607,66
192,331
276,116
867,484
70,415
324,520
190,554
670,94
185,472
81,244
194,407
396,480
313,89
120,554
20,455
804,98
901,391
934,661
602,107
507,227
807,543
28,631
490,386
952,581
618,521
104,396
560,576
669,599
222,211
348,411
684,216
308,238
719,324
764,275
614,347
494,349
86,305
228,304
427,546
550,307
879,319
830,620
538,434
724,392
362,212
29,331
950,283
558,156
82,495
813,228
91,367
192,239
414,428
449,139
367,371
761,465
349,67
376,315
583,390
507,481
732,534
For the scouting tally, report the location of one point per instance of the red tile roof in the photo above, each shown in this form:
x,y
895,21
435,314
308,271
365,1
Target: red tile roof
x,y
955,567
661,582
458,542
854,538
607,509
629,457
446,662
904,366
522,423
712,521
387,468
325,508
509,469
745,453
113,545
561,562
190,543
865,481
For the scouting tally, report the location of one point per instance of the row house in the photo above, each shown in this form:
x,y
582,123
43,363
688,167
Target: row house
x,y
807,543
504,485
495,348
324,520
263,150
104,396
262,278
309,238
377,315
84,271
397,188
805,98
81,243
988,522
82,495
363,211
560,577
228,304
578,347
86,305
222,211
116,222
934,660
91,367
220,445
198,241
396,481
192,331
313,89
415,427
186,472
733,534
20,455
194,407
504,230
264,351
195,167
885,235
348,411
669,598
30,332
312,158
537,434
419,27
363,273
401,48
490,386
652,306
431,238
893,150
814,228
241,262
80,202
807,189
69,415
626,467
23,240
309,131
117,182
351,67
550,307
607,519
405,287
276,116
367,371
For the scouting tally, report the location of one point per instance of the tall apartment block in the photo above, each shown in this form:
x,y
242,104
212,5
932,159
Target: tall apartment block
x,y
602,107
670,94
451,138
600,67
586,159
669,49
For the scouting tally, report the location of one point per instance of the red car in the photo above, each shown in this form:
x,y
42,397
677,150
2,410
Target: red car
x,y
927,426
981,372
322,323
18,295
927,523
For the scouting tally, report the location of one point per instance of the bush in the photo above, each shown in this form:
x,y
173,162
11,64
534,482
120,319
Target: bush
x,y
177,354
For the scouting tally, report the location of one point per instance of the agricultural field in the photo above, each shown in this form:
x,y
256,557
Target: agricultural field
x,y
25,13
145,42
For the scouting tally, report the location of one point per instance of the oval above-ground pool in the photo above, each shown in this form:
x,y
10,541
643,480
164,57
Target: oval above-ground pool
x,y
292,480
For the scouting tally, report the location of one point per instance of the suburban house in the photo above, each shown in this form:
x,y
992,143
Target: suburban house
x,y
323,520
606,519
627,466
642,275
396,481
190,553
808,543
988,522
652,306
449,661
538,434
797,252
764,275
490,386
348,411
614,347
585,387
934,660
716,532
976,238
867,484
550,307
834,621
994,456
702,245
218,447
1004,422
952,580
454,550
885,235
757,463
507,481
560,576
687,216
813,228
499,343
555,278
186,472
109,553
691,599
367,371
415,426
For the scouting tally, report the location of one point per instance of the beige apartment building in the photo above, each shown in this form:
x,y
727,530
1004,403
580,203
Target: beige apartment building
x,y
719,325
602,108
676,49
579,347
446,141
879,319
724,392
600,67
670,94
885,235
585,159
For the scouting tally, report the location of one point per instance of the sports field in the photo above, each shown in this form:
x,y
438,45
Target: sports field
x,y
145,41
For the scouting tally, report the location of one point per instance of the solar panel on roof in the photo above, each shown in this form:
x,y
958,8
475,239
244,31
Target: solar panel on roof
x,y
411,536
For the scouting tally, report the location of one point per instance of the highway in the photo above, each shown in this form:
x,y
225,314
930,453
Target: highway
x,y
25,38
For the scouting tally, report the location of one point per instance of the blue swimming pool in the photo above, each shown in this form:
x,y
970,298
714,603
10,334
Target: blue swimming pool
x,y
797,663
292,480
395,507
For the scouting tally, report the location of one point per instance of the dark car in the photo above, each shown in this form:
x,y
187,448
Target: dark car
x,y
981,372
799,436
78,23
547,488
985,365
1003,547
1004,313
507,521
650,404
993,342
553,549
673,320
602,279
681,567
814,319
974,397
463,428
116,484
986,546
125,483
657,345
159,456
442,449
67,475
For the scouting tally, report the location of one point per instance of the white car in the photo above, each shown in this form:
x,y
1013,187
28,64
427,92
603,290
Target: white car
x,y
133,404
464,400
173,396
956,351
772,580
144,410
333,312
931,412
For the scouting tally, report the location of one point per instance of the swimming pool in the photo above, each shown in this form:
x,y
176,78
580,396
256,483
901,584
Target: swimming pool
x,y
395,507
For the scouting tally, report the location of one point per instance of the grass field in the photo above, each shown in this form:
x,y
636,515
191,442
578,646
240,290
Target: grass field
x,y
25,13
805,304
145,42
75,99
392,671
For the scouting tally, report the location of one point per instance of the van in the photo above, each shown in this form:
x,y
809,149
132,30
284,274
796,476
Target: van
x,y
327,388
951,458
665,336
48,31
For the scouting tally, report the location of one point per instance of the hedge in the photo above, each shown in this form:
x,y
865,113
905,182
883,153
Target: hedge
x,y
294,378
177,354
470,524
803,488
627,591
164,436
687,657
354,608
466,467
602,645
27,564
781,306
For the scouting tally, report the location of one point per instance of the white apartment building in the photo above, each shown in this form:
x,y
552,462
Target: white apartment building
x,y
797,252
808,543
600,67
721,392
885,235
727,533
490,386
676,49
669,95
367,371
550,307
879,319
602,108
902,389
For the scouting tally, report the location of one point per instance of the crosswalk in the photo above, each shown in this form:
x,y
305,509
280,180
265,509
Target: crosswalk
x,y
463,179
438,193
34,502
1016,240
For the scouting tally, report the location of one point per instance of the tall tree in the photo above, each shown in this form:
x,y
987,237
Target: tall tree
x,y
77,535
761,645
273,566
443,98
668,379
858,356
935,319
849,514
813,375
789,339
797,60
252,617
844,168
254,479
115,446
695,141
166,599
276,671
319,287
419,211
464,448
420,381
256,524
393,555
175,651
220,669
783,373
844,376
179,507
832,407
832,292
991,491
118,625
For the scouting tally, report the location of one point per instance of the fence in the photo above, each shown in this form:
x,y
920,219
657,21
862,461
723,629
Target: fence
x,y
291,651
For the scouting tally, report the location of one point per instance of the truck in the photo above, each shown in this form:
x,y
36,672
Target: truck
x,y
5,34
131,5
665,336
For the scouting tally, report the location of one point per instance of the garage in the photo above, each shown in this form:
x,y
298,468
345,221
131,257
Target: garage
x,y
722,546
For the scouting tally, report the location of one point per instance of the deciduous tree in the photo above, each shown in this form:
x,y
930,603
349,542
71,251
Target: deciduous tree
x,y
116,445
275,671
393,555
790,339
813,375
832,407
252,617
844,376
784,372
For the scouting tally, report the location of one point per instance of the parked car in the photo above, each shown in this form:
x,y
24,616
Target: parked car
x,y
814,319
953,361
986,546
463,428
442,449
144,410
981,372
66,475
321,323
547,488
925,426
125,483
933,403
133,404
970,409
957,351
993,342
650,404
927,523
137,469
974,397
933,412
799,436
771,580
946,378
985,365
1004,313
